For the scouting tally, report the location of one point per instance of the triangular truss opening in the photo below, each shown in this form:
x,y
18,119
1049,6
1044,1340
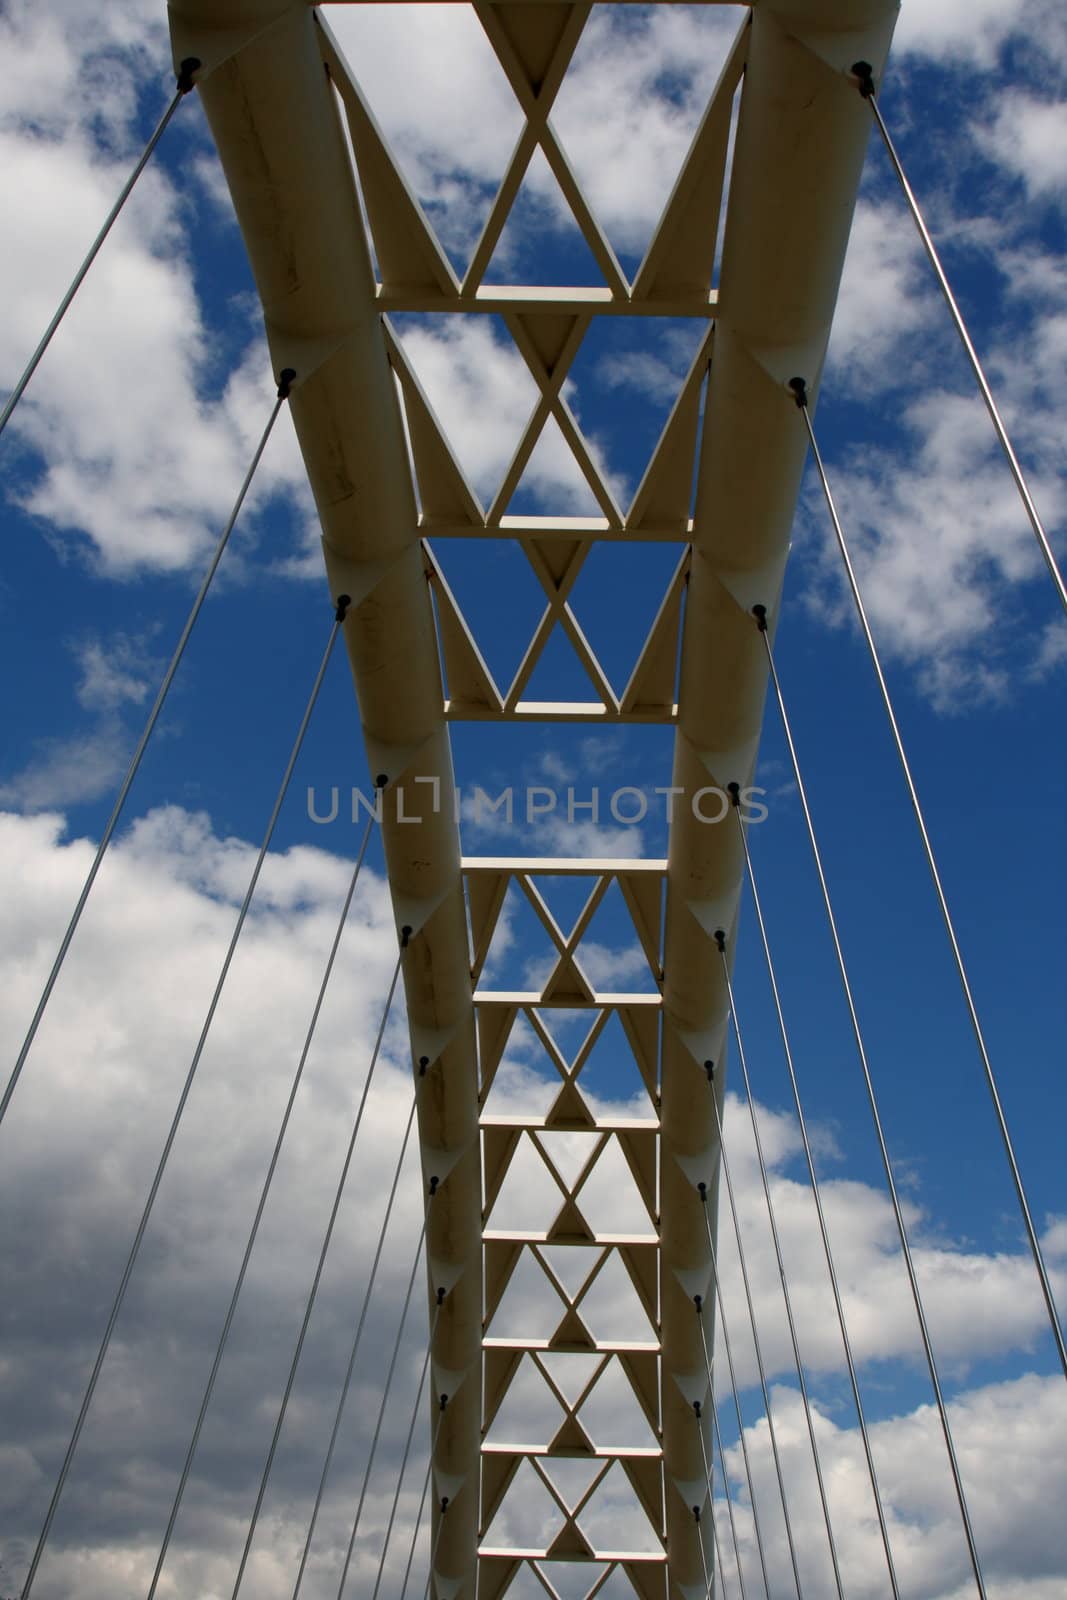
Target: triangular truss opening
x,y
475,118
478,385
498,596
571,1265
613,1416
614,1518
571,1373
541,243
559,674
611,1077
512,1050
571,1580
572,1029
528,1517
610,1199
618,957
521,954
552,482
571,1477
530,1307
529,1198
527,1585
529,1415
617,1586
565,894
629,371
521,1091
638,83
569,1153
612,1308
641,630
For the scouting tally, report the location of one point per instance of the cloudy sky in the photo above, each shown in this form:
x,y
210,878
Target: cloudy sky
x,y
116,474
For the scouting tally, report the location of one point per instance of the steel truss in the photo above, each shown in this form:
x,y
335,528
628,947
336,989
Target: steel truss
x,y
302,152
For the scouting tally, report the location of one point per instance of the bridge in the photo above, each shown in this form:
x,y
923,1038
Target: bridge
x,y
581,1352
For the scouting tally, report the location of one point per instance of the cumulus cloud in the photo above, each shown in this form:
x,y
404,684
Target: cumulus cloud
x,y
134,442
78,1148
973,32
1027,137
115,676
1009,1463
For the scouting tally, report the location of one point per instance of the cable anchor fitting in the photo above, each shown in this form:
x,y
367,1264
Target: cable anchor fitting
x,y
444,1397
734,791
444,1504
424,1062
696,1409
698,1301
862,75
720,940
709,1068
433,1191
405,934
343,603
441,1292
760,614
702,1191
286,379
186,71
800,392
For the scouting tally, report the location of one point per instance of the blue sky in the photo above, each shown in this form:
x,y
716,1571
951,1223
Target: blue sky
x,y
116,473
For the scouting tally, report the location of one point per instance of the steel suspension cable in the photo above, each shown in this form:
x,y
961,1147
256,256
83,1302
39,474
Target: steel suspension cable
x,y
876,1117
800,396
342,1402
709,1479
185,84
385,1394
698,1301
720,940
405,934
422,1499
703,1552
285,380
717,1444
815,1190
260,1208
435,1547
864,78
342,607
407,1449
755,1330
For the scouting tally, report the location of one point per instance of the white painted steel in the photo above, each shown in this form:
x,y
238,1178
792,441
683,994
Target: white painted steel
x,y
799,148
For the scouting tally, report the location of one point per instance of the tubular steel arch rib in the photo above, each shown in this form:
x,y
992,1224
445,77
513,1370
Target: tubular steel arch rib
x,y
277,92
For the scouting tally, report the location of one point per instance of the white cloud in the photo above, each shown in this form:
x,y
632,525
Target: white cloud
x,y
1028,136
97,1092
1012,1470
885,296
630,106
443,100
112,674
937,530
974,31
70,771
484,394
127,447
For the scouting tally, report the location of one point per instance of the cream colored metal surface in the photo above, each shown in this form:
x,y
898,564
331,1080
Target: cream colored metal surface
x,y
275,114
